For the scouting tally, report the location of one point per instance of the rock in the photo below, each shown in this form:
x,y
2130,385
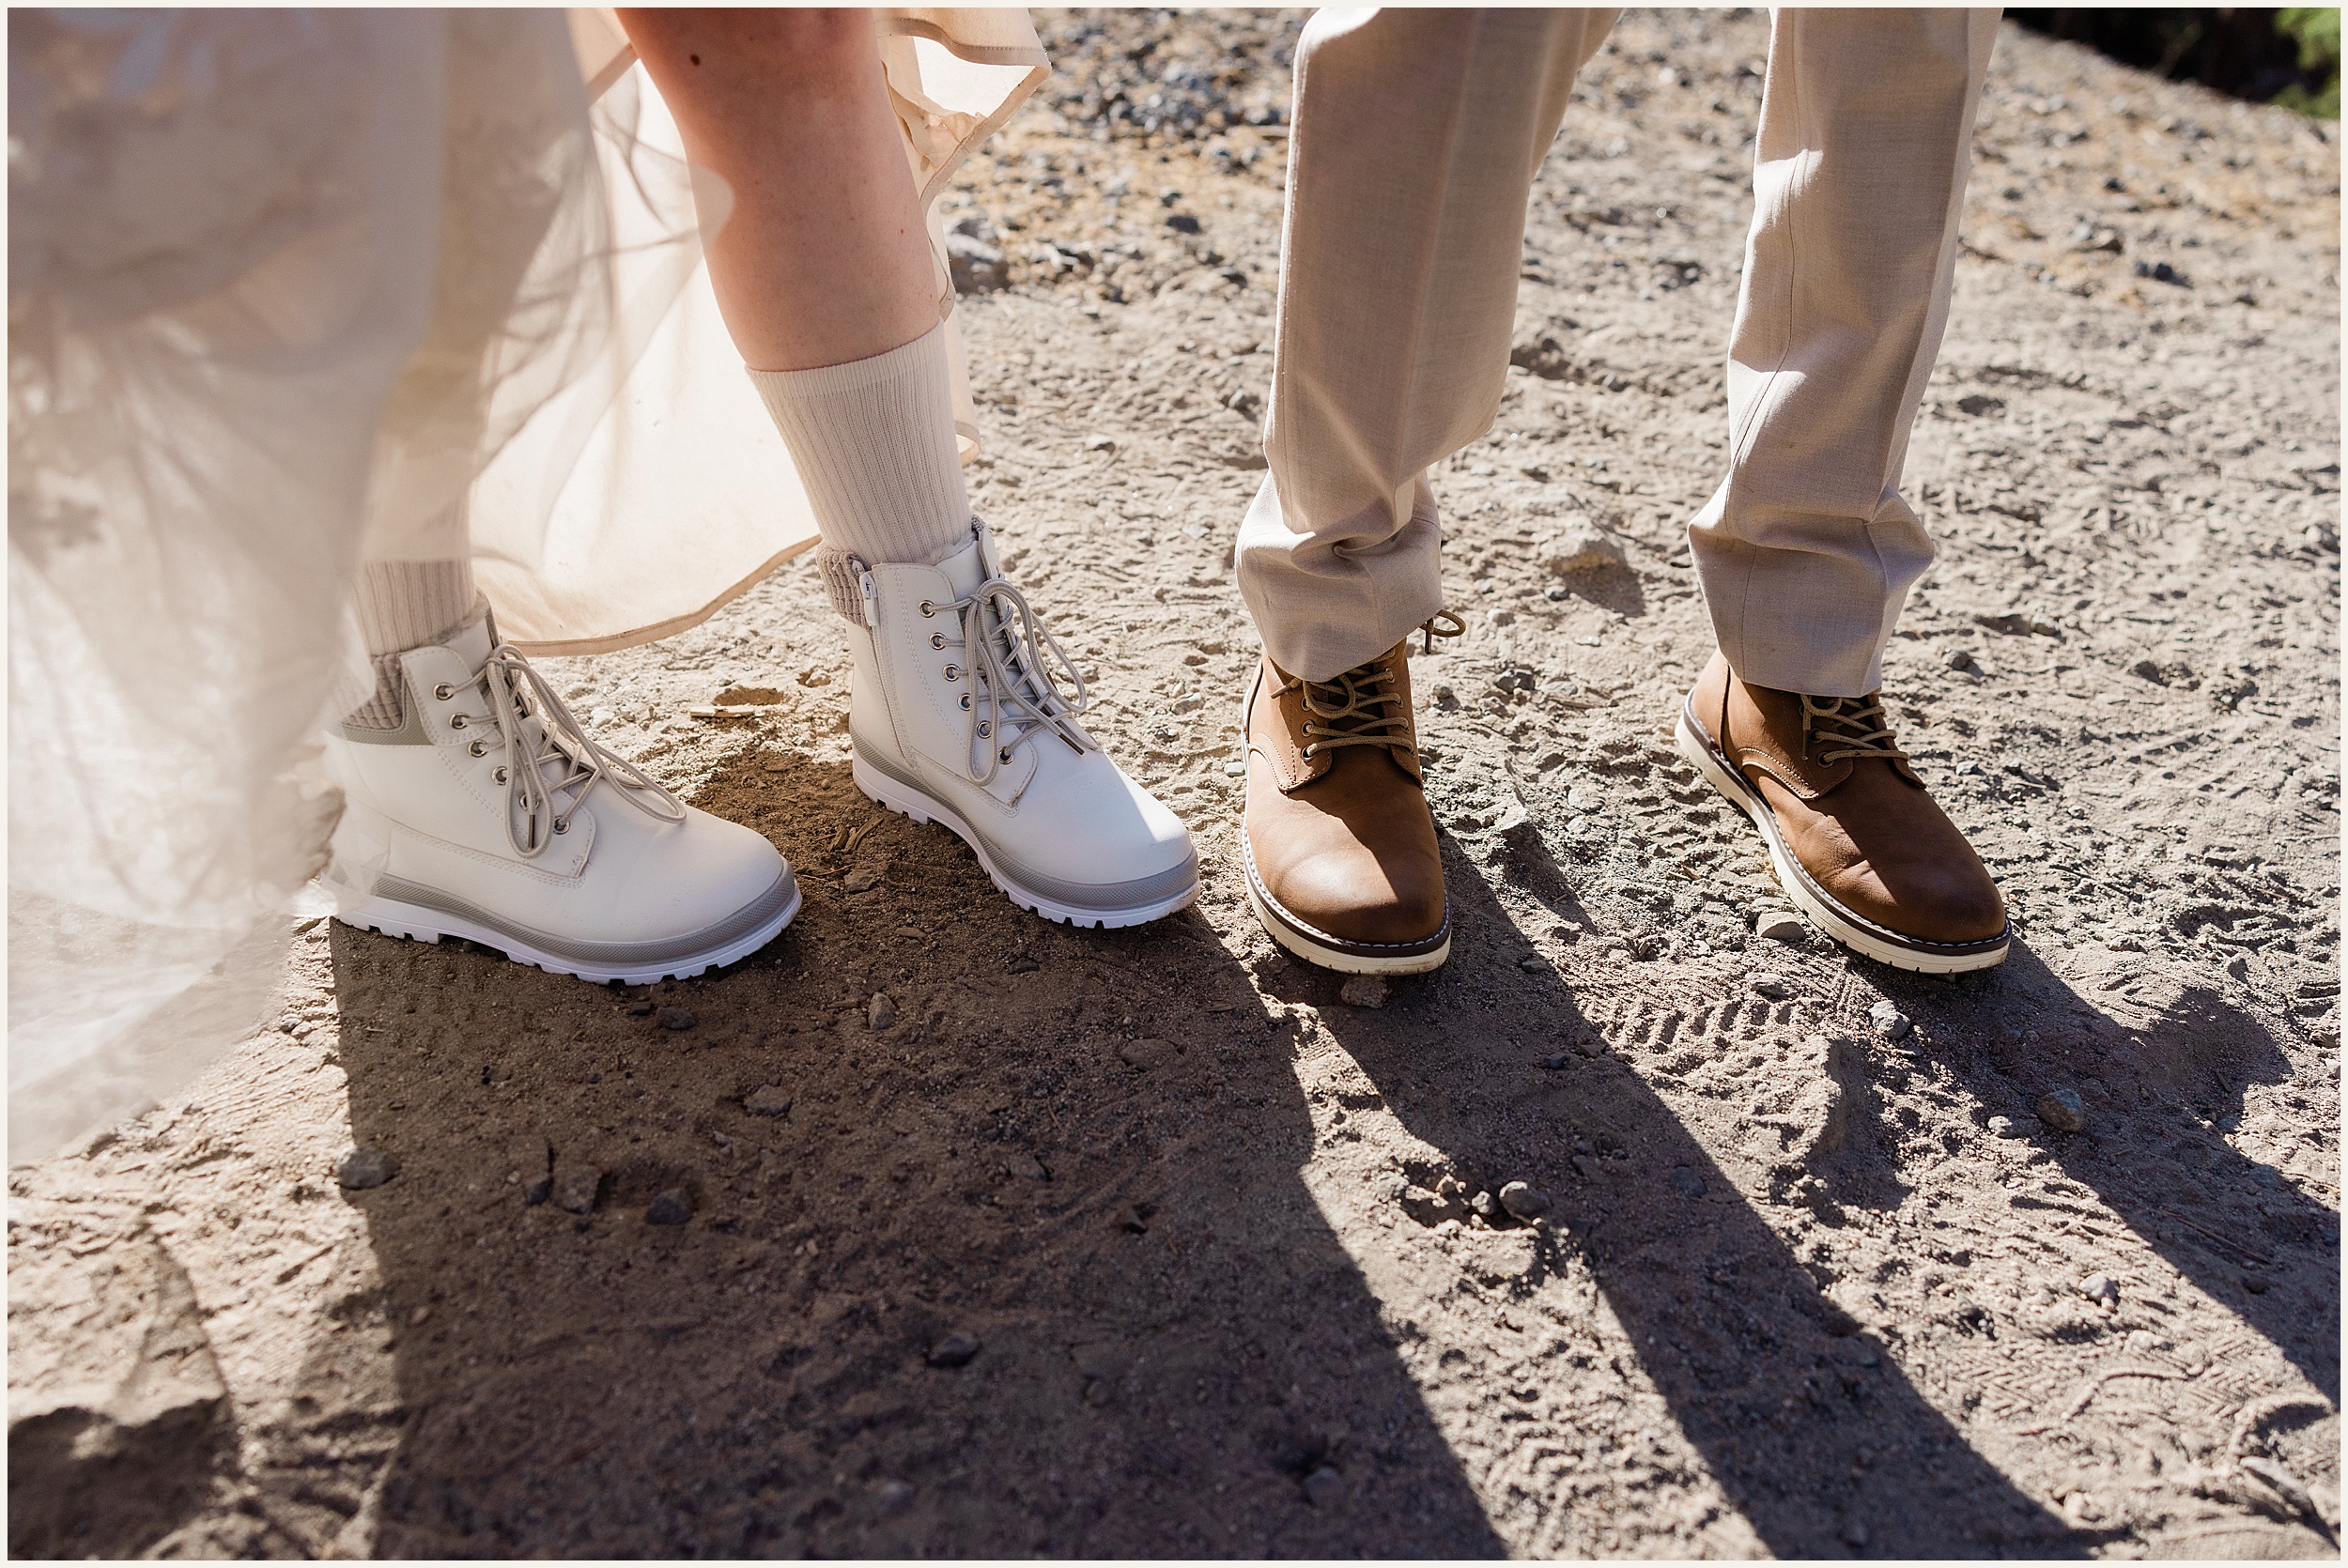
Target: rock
x,y
1769,985
2001,1126
1820,1116
1020,963
1889,1021
978,266
365,1167
1324,1488
862,880
2238,967
678,1018
2099,1288
772,1100
672,1208
955,1349
576,1186
1486,1206
1582,548
2063,1111
1685,1182
883,1012
1524,1200
1782,925
533,1162
642,1007
1028,1165
1363,991
1958,658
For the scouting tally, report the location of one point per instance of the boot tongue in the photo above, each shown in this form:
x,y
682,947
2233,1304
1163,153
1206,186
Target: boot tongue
x,y
966,569
471,641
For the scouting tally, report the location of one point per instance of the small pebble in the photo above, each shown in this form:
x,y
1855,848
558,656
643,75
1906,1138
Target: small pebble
x,y
642,1007
1889,1021
1782,925
678,1018
2001,1126
1020,963
672,1208
862,880
2099,1288
955,1349
1523,1200
365,1167
772,1100
2063,1111
1099,443
883,1012
1363,991
1770,987
1685,1182
1235,769
1324,1488
1486,1206
575,1188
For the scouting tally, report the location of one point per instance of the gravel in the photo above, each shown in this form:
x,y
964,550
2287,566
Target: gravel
x,y
2063,1111
678,1018
672,1207
955,1349
882,1012
575,1187
772,1100
1524,1200
1781,925
1889,1021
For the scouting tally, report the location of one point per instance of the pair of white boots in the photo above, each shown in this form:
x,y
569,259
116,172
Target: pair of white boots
x,y
491,814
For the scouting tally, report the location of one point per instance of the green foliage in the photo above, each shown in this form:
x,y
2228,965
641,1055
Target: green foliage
x,y
2316,30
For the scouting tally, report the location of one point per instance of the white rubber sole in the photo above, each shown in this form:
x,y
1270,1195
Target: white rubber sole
x,y
393,918
1815,909
1312,952
924,807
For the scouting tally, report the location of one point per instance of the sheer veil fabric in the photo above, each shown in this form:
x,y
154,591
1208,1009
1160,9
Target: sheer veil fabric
x,y
291,289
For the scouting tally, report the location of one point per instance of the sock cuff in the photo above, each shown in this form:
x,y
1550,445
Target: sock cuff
x,y
918,358
838,570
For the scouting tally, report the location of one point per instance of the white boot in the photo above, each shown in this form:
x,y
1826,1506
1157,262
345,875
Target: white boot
x,y
956,720
491,815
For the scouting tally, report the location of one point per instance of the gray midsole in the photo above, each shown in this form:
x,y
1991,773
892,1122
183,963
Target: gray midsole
x,y
751,917
1109,895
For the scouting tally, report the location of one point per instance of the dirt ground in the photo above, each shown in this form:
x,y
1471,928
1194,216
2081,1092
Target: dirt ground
x,y
1148,1242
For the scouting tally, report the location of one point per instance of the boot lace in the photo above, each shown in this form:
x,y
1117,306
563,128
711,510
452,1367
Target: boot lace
x,y
550,758
1016,698
1359,706
1855,727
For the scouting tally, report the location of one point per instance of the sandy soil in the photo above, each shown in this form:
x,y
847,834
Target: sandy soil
x,y
1815,1281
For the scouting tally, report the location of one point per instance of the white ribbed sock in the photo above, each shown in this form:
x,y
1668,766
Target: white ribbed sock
x,y
403,605
873,441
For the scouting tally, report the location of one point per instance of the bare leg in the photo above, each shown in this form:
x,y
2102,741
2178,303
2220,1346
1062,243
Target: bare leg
x,y
825,259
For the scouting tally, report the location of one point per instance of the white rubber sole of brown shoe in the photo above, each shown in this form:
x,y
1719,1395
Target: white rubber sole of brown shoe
x,y
1818,911
1309,946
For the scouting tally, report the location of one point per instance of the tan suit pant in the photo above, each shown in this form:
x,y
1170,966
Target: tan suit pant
x,y
1417,136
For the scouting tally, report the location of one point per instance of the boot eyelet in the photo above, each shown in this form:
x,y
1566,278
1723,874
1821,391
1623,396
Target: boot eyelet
x,y
499,776
966,701
953,672
938,639
928,610
1002,754
479,749
985,728
562,824
456,723
444,691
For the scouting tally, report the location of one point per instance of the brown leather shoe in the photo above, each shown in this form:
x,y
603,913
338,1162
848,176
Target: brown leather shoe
x,y
1342,864
1859,847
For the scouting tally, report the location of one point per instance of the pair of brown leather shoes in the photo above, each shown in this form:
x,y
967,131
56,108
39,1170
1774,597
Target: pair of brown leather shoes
x,y
1345,872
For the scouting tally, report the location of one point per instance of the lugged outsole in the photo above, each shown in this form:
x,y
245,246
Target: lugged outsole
x,y
888,792
389,917
1813,909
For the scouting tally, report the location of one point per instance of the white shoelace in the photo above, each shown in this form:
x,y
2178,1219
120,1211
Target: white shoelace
x,y
520,698
1014,685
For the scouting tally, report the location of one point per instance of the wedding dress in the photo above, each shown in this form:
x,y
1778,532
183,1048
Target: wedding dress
x,y
284,288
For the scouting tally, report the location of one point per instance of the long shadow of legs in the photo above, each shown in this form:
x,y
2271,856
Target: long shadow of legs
x,y
1813,1433
1079,1151
2161,1066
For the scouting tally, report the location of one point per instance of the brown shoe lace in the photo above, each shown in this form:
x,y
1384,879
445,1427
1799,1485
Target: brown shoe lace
x,y
1856,728
1355,707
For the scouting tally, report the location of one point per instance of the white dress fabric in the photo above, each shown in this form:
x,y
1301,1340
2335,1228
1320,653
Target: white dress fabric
x,y
291,289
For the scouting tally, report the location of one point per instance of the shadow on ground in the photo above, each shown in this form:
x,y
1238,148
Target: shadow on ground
x,y
1174,1355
